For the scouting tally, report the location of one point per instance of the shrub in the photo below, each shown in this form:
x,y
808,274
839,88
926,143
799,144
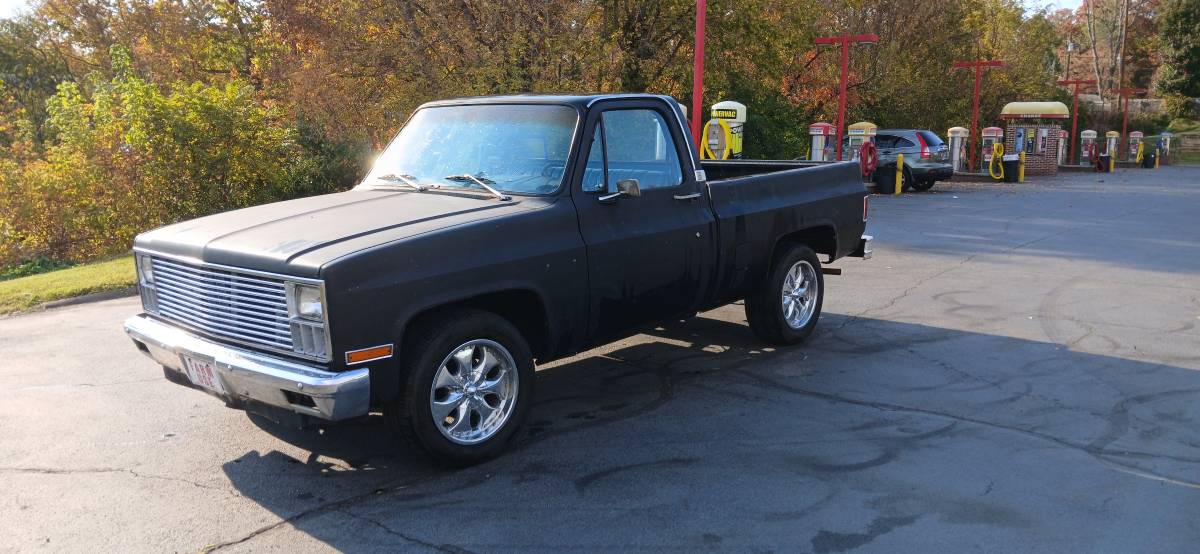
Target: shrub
x,y
127,156
1180,106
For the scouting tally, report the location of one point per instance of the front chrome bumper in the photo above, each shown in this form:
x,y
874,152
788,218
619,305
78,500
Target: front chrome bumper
x,y
864,248
250,376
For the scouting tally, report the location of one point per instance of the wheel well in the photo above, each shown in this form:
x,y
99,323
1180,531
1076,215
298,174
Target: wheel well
x,y
523,308
822,239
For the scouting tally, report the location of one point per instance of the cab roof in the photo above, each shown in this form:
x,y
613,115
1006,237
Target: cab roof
x,y
576,100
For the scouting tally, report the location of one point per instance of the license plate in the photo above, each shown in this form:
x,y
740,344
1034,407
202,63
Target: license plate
x,y
203,374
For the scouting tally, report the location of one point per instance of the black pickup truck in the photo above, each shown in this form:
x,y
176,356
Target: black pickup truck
x,y
492,232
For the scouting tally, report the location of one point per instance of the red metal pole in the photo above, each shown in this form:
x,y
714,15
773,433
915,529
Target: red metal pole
x,y
841,118
978,66
1124,127
975,115
698,72
844,42
1074,123
1074,112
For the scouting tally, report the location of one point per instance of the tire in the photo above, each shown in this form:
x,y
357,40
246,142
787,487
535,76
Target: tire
x,y
909,182
483,405
766,307
922,186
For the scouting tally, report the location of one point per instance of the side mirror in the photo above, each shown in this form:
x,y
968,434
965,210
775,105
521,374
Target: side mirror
x,y
625,187
629,187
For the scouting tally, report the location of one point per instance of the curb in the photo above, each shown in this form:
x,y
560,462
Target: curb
x,y
88,298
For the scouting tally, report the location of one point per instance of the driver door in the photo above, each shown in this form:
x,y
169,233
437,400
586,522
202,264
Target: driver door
x,y
646,254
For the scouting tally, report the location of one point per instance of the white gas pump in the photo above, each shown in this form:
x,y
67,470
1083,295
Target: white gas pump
x,y
1087,144
988,138
1110,143
958,147
823,135
856,135
1164,145
1063,138
1135,140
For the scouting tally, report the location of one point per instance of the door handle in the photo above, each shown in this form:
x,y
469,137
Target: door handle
x,y
691,196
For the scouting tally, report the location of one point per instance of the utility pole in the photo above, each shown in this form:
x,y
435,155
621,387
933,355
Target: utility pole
x,y
979,66
1075,110
844,40
698,72
1125,92
1070,49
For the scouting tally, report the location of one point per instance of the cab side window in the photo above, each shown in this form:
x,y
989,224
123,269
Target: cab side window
x,y
902,142
636,144
885,141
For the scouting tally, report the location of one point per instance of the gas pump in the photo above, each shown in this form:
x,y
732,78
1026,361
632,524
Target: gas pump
x,y
1110,143
734,115
1135,141
717,140
1063,138
1087,146
1164,146
958,147
989,137
823,135
857,134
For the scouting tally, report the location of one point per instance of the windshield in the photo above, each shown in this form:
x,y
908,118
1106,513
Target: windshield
x,y
518,148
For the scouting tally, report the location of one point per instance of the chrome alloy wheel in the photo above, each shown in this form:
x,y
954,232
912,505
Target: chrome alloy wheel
x,y
800,294
474,391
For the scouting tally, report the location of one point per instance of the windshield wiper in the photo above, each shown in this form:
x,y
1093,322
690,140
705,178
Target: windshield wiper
x,y
407,180
481,181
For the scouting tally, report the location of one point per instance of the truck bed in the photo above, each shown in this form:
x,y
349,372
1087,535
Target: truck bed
x,y
757,202
731,169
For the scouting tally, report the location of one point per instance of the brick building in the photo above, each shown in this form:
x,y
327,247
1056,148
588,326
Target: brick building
x,y
1036,126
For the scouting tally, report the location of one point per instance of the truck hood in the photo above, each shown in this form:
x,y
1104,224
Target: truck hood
x,y
298,237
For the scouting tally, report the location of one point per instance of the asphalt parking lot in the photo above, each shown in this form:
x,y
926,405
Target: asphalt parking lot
x,y
1018,369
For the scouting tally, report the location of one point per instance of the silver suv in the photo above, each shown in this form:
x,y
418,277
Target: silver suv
x,y
926,157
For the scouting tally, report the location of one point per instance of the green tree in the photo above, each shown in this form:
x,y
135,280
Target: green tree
x,y
1180,43
30,72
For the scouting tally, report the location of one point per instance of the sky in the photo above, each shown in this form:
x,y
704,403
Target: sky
x,y
9,8
1056,4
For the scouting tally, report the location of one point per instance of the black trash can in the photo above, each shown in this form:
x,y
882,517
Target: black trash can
x,y
1148,160
1105,159
1012,165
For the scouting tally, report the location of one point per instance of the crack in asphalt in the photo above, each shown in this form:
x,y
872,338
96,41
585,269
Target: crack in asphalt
x,y
435,547
85,385
115,470
1100,454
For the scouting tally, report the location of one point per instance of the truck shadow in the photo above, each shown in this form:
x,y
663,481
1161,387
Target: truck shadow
x,y
667,420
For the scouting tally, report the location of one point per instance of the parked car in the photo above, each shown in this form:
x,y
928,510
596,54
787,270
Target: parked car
x,y
490,234
926,156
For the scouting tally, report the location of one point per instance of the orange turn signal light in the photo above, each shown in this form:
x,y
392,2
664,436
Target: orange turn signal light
x,y
369,354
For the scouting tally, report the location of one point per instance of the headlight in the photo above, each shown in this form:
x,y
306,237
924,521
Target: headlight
x,y
145,270
308,302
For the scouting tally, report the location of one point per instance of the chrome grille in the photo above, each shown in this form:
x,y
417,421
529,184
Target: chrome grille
x,y
243,307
